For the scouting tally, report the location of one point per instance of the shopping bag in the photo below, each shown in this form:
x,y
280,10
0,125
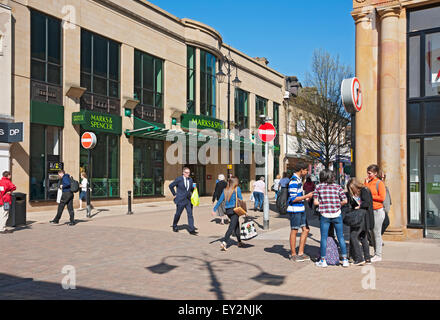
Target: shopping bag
x,y
59,194
195,200
248,231
252,197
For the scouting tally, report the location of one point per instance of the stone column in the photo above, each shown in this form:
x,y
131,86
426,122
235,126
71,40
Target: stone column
x,y
197,81
389,114
366,71
126,144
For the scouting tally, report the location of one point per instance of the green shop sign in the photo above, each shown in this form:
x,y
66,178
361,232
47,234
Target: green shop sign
x,y
202,122
95,121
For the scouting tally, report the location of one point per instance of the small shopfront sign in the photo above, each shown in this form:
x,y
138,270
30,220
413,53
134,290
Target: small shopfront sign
x,y
11,132
95,121
202,122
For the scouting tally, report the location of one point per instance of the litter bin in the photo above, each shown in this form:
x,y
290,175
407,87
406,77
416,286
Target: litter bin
x,y
17,212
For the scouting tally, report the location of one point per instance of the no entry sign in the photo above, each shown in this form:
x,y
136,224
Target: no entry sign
x,y
351,94
267,132
88,140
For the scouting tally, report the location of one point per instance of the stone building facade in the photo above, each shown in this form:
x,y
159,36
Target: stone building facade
x,y
398,63
82,65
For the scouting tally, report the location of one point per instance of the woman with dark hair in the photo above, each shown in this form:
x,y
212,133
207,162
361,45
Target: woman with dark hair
x,y
229,196
329,196
360,198
378,192
219,187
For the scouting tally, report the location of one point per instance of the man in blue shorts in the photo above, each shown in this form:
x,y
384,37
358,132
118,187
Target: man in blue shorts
x,y
296,212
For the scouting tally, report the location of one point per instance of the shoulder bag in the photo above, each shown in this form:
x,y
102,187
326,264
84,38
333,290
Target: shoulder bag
x,y
240,206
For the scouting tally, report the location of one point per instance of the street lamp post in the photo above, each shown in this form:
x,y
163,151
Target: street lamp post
x,y
230,66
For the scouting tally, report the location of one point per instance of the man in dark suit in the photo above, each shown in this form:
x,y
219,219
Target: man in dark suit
x,y
182,199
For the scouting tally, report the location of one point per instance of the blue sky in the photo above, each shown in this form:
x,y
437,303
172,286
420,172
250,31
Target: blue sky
x,y
286,32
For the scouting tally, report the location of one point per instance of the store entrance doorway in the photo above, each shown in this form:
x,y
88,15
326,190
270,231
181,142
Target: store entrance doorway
x,y
198,174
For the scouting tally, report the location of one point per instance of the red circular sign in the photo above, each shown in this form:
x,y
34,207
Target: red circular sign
x,y
357,94
88,140
267,132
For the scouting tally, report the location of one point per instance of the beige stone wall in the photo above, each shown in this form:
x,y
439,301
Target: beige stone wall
x,y
381,66
135,25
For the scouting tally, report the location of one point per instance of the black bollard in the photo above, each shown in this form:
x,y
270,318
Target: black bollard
x,y
129,203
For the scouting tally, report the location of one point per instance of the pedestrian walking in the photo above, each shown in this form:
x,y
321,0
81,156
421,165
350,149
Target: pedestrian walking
x,y
259,190
276,185
83,192
378,192
66,199
296,211
182,199
229,196
386,204
219,187
359,197
329,196
6,188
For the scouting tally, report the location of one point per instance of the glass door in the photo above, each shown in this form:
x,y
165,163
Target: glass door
x,y
432,186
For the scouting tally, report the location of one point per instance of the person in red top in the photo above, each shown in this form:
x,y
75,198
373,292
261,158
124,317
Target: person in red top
x,y
6,188
378,191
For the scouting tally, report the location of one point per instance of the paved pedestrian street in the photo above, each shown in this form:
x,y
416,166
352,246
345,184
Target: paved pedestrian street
x,y
119,256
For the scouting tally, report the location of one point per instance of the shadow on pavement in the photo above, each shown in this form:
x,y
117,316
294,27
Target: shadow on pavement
x,y
214,266
272,296
16,288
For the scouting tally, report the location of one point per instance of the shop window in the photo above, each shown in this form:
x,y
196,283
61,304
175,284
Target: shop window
x,y
148,173
260,109
241,106
191,80
104,176
414,66
99,65
148,79
45,147
207,84
414,125
45,48
424,19
432,117
432,65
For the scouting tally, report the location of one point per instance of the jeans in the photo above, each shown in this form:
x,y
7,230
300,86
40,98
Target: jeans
x,y
234,225
325,225
259,200
379,217
356,235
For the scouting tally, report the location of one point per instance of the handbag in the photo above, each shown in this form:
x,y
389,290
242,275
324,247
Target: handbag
x,y
240,206
248,231
6,205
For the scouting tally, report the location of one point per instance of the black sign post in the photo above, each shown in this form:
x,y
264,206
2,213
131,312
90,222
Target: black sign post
x,y
88,141
89,207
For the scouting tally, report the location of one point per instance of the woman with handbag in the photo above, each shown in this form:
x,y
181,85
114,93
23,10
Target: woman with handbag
x,y
234,203
219,187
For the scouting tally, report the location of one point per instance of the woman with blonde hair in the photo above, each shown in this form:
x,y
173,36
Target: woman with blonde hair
x,y
359,197
229,196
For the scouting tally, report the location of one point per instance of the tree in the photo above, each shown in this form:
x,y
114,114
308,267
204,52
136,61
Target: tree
x,y
325,120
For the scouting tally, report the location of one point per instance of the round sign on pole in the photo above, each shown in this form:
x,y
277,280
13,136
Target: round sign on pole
x,y
88,140
351,94
267,132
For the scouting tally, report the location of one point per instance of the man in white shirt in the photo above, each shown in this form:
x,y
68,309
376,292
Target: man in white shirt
x,y
259,189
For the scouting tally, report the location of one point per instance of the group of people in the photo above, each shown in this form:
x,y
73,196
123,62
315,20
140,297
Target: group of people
x,y
363,201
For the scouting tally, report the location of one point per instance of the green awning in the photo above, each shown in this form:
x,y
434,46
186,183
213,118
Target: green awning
x,y
47,114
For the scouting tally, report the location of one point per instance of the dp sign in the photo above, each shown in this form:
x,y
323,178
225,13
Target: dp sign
x,y
11,132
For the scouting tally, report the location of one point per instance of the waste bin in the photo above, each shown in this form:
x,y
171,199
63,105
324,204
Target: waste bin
x,y
17,212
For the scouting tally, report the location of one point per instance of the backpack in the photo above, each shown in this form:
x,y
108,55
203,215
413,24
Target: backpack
x,y
282,199
332,254
74,185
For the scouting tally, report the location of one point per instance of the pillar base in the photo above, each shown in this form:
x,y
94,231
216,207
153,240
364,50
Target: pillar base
x,y
395,234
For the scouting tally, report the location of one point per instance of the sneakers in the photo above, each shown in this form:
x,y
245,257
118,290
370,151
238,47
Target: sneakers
x,y
359,263
376,259
223,246
345,263
321,263
293,258
302,258
53,222
367,261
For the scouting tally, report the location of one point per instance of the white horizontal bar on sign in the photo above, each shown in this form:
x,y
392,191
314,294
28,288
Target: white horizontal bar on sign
x,y
271,132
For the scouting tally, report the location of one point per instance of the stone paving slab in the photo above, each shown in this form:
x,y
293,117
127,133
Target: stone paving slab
x,y
138,257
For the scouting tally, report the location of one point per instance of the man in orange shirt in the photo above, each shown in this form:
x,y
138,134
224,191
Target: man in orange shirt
x,y
378,191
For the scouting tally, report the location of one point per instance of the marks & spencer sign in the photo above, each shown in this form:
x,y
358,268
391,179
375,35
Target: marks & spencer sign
x,y
95,121
202,122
